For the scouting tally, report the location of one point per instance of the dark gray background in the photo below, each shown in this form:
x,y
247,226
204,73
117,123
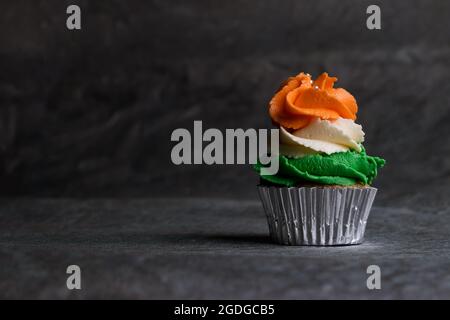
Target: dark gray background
x,y
90,112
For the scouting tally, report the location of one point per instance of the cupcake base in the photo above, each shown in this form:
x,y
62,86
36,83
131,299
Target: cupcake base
x,y
317,215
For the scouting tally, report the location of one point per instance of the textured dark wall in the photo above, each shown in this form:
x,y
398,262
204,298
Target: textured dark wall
x,y
90,113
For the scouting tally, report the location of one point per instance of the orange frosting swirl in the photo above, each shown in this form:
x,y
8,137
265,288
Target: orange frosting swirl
x,y
300,100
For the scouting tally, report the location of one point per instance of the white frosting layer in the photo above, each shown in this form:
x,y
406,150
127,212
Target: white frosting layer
x,y
322,136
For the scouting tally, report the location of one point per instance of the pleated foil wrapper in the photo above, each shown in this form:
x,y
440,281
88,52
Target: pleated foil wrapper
x,y
317,216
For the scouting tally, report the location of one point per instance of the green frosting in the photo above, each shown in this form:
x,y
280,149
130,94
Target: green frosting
x,y
342,168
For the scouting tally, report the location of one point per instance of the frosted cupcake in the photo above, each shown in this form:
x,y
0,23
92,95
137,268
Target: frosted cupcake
x,y
321,194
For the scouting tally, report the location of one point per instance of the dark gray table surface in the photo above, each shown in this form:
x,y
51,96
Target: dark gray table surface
x,y
209,248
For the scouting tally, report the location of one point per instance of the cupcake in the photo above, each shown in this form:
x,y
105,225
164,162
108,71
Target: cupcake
x,y
321,194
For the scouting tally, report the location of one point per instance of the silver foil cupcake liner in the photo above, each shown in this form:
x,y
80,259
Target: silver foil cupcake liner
x,y
317,216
